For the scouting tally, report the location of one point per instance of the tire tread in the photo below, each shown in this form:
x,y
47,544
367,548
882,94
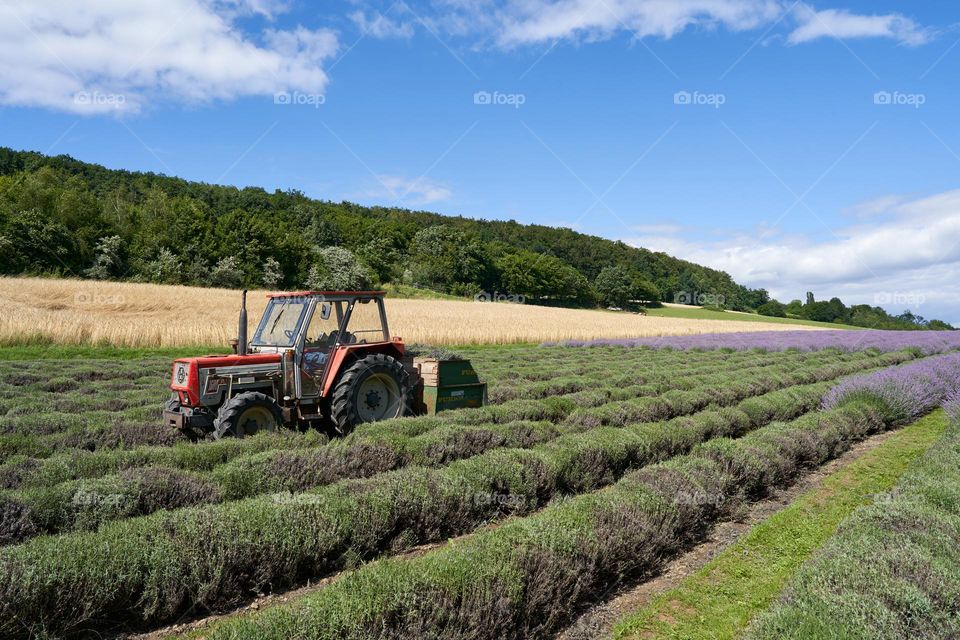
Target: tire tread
x,y
232,408
343,413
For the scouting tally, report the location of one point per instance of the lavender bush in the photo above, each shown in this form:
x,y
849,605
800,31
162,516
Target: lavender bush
x,y
907,391
952,405
928,342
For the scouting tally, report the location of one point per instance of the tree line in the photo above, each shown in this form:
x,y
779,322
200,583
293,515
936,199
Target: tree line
x,y
61,216
860,315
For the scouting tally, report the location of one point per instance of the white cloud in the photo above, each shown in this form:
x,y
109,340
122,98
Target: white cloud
x,y
411,191
511,23
116,56
913,251
840,23
377,25
542,20
875,207
266,8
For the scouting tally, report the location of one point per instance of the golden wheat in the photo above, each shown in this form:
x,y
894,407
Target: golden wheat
x,y
147,315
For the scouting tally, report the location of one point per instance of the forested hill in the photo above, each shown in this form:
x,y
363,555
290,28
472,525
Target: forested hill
x,y
62,216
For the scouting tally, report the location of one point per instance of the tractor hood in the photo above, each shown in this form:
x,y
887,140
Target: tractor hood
x,y
187,372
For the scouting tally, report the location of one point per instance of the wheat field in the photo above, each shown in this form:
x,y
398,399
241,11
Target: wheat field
x,y
74,312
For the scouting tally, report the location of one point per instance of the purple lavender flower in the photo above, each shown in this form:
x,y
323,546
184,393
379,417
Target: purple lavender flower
x,y
928,342
952,405
908,390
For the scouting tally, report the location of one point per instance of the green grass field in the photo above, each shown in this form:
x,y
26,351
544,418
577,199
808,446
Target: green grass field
x,y
696,313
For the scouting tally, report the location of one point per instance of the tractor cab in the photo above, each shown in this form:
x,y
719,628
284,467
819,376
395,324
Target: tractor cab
x,y
318,319
322,330
315,356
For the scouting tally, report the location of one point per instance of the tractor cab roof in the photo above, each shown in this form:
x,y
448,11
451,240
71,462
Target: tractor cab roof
x,y
330,295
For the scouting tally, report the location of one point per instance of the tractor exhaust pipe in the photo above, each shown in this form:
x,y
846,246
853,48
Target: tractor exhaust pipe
x,y
242,329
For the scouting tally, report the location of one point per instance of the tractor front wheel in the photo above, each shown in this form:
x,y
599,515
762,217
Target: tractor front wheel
x,y
246,414
373,388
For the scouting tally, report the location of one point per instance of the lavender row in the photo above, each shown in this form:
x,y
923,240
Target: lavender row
x,y
928,342
907,391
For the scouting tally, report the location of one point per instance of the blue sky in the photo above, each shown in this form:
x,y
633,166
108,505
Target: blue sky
x,y
796,145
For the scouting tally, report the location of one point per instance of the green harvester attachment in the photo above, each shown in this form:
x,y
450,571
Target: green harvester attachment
x,y
450,384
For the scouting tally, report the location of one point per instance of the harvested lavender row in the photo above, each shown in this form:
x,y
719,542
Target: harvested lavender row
x,y
270,542
86,505
27,439
929,342
909,390
75,465
522,578
526,578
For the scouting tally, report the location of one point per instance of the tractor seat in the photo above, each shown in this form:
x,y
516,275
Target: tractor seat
x,y
315,361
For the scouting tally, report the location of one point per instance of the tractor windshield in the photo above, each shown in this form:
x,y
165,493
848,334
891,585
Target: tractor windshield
x,y
281,322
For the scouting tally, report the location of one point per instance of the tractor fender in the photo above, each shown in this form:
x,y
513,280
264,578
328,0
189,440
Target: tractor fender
x,y
344,412
345,354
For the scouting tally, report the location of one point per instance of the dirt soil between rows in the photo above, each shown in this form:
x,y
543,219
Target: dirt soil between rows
x,y
598,621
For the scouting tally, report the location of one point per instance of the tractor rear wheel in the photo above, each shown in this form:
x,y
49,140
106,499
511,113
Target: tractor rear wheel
x,y
246,414
375,387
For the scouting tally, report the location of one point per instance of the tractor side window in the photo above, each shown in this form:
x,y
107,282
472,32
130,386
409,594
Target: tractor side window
x,y
280,322
322,332
365,323
321,336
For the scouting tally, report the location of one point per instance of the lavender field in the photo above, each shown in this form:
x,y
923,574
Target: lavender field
x,y
927,342
594,465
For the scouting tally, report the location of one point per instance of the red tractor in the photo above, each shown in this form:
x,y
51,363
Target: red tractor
x,y
317,358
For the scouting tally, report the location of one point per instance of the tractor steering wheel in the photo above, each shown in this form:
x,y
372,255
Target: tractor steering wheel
x,y
288,333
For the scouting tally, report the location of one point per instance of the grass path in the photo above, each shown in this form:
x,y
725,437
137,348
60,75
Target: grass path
x,y
720,600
